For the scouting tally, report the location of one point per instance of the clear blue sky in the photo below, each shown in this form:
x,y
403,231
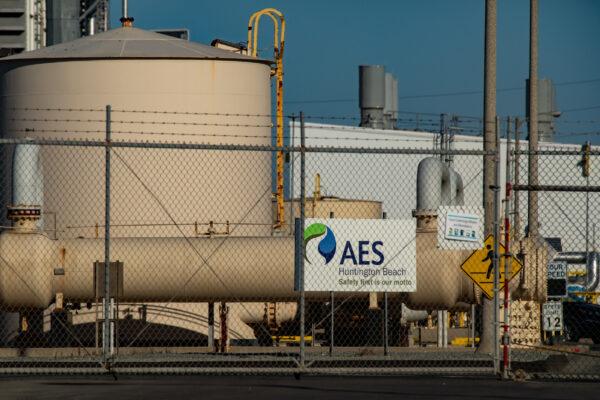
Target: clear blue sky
x,y
432,46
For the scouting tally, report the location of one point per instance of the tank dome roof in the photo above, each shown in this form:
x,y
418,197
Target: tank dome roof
x,y
130,43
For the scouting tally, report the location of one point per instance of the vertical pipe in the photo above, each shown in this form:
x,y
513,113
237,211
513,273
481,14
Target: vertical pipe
x,y
211,326
508,257
92,26
489,145
496,259
293,161
445,329
106,328
302,216
587,204
279,117
440,324
112,326
223,314
532,206
124,4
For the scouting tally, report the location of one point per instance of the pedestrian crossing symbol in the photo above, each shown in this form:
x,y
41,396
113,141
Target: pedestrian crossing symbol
x,y
480,268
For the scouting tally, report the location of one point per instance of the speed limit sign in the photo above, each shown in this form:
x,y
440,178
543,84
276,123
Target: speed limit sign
x,y
552,315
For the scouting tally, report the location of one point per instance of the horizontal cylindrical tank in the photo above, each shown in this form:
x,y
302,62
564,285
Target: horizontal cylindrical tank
x,y
160,89
334,207
154,269
235,269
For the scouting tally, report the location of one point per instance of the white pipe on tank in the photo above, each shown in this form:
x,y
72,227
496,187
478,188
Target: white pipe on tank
x,y
125,6
92,26
27,177
437,184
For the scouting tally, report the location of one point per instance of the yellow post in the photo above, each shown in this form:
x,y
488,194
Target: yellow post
x,y
278,45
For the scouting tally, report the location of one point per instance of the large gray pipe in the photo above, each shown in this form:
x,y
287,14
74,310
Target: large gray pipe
x,y
408,315
371,95
592,264
437,184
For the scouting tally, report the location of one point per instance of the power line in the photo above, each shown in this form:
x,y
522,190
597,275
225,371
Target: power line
x,y
445,94
581,109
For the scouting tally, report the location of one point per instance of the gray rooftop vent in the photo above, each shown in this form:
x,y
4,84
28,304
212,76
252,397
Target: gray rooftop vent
x,y
378,97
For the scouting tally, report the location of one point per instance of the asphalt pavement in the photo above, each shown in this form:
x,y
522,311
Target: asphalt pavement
x,y
283,387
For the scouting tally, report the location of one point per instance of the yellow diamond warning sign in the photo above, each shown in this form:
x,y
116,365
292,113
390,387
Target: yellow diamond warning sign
x,y
480,268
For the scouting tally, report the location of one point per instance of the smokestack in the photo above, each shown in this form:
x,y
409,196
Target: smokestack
x,y
390,111
371,95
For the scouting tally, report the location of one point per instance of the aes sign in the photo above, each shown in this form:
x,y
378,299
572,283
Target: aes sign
x,y
358,255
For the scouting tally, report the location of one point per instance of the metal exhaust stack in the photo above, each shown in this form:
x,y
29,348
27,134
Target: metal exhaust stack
x,y
390,112
371,95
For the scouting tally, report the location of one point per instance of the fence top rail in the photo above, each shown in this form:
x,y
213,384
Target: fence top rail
x,y
556,152
239,147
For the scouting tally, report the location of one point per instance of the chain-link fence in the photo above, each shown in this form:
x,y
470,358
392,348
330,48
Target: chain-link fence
x,y
556,315
132,256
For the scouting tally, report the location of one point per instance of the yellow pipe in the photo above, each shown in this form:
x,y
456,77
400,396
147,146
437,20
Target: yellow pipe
x,y
278,47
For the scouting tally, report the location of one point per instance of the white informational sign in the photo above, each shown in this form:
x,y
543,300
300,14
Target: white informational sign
x,y
552,316
460,228
360,255
464,227
557,270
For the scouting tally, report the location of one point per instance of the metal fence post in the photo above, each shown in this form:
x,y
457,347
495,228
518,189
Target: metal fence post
x,y
302,216
507,258
385,324
332,322
496,189
332,312
107,317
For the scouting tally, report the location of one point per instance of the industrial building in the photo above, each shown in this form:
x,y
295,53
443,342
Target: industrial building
x,y
188,230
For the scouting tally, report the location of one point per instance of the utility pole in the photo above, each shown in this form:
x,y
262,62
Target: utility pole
x,y
486,344
532,206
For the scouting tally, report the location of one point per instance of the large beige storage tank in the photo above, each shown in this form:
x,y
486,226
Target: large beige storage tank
x,y
60,92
